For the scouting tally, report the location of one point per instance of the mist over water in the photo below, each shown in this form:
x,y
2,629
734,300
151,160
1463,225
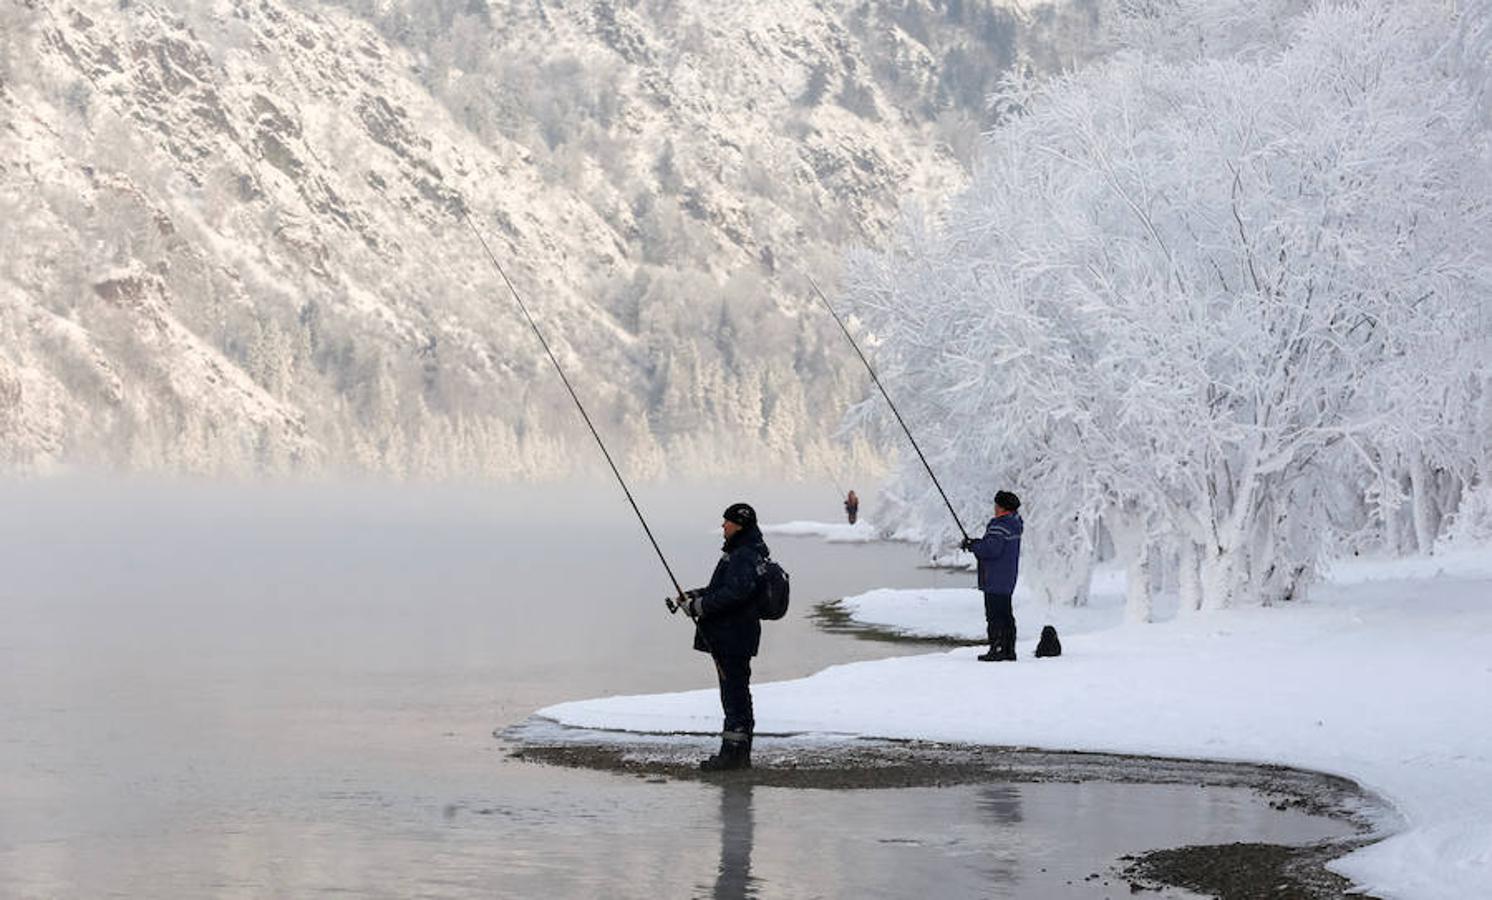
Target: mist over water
x,y
250,690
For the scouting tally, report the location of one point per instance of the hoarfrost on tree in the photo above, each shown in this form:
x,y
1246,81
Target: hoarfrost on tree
x,y
1216,313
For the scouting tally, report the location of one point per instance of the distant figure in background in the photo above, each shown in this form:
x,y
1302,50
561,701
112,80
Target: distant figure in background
x,y
999,556
851,507
728,627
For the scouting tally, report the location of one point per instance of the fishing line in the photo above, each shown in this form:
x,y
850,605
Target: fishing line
x,y
873,377
573,396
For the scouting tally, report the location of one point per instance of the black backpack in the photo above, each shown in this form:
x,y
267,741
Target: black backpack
x,y
771,595
1049,645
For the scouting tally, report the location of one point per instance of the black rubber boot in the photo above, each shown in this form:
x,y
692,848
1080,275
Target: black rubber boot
x,y
734,754
1002,647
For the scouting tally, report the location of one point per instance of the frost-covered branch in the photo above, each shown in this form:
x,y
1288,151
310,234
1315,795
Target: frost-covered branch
x,y
1195,295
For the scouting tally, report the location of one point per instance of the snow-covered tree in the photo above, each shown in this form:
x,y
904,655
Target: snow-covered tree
x,y
1189,286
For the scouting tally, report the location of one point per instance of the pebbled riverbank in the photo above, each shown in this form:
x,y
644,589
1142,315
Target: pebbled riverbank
x,y
1233,871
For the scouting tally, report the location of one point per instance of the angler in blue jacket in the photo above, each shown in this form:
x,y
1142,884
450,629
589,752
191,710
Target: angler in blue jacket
x,y
728,628
999,556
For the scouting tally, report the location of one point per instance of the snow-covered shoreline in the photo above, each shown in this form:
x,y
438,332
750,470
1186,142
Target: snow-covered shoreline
x,y
862,532
1382,678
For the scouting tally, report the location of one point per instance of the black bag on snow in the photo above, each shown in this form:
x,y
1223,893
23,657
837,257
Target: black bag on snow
x,y
771,596
1049,645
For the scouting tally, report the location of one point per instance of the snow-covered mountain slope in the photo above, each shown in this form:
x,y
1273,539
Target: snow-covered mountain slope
x,y
232,233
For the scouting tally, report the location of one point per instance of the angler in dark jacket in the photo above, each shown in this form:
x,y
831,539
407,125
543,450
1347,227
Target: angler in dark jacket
x,y
728,628
999,556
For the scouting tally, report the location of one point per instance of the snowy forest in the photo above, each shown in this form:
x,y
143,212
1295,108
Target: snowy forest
x,y
232,239
1219,305
1206,280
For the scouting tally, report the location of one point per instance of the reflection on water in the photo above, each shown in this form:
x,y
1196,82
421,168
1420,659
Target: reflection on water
x,y
1002,803
733,880
217,691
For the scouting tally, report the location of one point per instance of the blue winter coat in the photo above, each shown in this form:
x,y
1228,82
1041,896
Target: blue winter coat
x,y
728,622
999,554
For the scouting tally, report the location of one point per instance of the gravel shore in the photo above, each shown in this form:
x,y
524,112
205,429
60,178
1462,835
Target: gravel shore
x,y
1229,871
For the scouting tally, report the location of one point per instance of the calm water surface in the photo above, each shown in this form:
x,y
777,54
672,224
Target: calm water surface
x,y
212,691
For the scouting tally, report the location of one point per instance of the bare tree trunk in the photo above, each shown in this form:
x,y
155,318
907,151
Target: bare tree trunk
x,y
1132,546
1139,596
1422,504
1189,576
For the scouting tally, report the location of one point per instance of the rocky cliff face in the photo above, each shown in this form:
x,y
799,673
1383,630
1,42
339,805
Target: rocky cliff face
x,y
235,233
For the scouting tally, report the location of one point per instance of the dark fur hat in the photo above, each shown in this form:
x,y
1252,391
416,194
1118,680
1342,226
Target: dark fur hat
x,y
740,513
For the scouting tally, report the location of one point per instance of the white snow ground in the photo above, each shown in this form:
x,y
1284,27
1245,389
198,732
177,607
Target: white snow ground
x,y
1384,677
959,612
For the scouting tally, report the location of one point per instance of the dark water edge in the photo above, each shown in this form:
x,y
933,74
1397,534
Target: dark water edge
x,y
832,617
1235,871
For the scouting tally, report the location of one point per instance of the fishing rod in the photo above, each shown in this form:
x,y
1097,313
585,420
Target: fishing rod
x,y
849,337
578,405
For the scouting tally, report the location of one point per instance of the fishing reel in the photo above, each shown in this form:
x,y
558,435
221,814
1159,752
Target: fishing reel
x,y
678,604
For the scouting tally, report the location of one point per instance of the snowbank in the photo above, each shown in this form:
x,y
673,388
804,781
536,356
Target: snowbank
x,y
835,533
1384,678
959,612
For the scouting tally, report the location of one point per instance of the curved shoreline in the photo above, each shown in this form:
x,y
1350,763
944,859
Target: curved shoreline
x,y
1231,871
831,617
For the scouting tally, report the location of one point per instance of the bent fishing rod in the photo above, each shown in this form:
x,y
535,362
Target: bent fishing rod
x,y
873,377
578,405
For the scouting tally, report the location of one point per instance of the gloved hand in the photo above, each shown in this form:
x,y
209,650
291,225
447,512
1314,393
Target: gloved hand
x,y
966,544
686,603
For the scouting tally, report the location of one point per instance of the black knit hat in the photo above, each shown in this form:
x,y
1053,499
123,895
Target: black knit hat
x,y
1007,500
740,513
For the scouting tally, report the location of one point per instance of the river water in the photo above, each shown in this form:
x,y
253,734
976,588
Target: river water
x,y
248,691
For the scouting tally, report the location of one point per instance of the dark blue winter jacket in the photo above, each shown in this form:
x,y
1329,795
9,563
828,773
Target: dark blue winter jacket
x,y
999,554
728,622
